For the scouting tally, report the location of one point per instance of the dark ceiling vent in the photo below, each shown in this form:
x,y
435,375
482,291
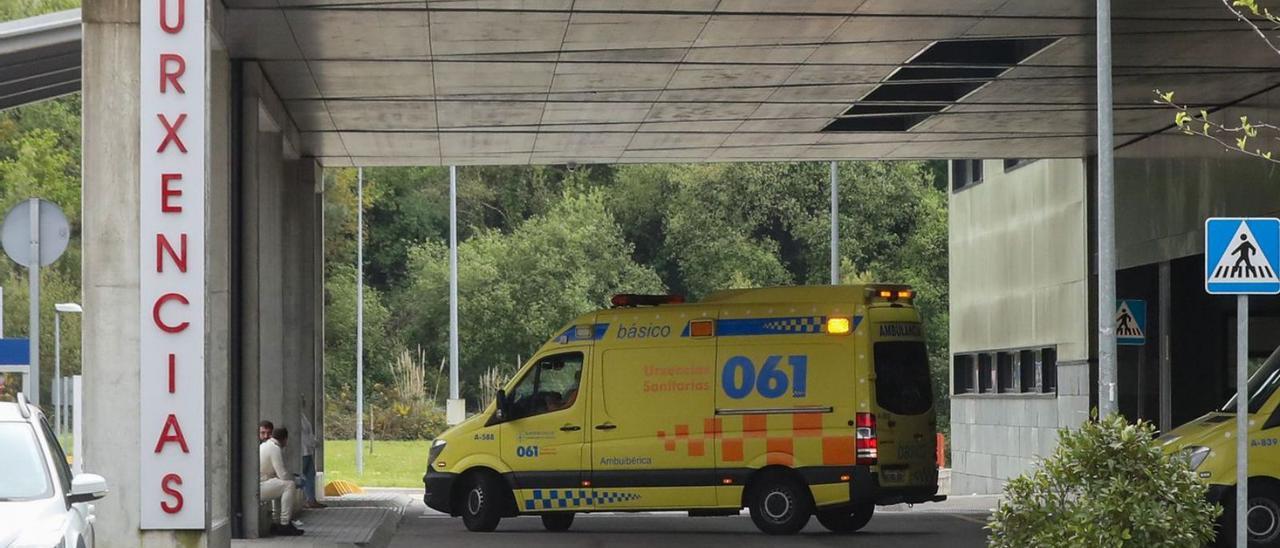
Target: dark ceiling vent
x,y
863,109
889,123
1004,52
909,73
939,76
928,93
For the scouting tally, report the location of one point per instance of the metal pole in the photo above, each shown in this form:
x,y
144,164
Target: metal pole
x,y
1106,221
453,282
360,321
57,371
1242,419
33,330
1,312
77,419
835,226
1166,360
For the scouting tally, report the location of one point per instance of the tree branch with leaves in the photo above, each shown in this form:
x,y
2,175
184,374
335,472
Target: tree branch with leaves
x,y
1258,139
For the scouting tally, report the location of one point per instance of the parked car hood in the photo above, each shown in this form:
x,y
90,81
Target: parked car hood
x,y
30,517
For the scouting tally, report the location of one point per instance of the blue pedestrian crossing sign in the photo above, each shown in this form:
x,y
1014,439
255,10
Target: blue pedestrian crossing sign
x,y
1240,256
1131,322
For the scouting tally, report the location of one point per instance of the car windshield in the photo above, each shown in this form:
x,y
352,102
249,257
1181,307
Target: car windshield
x,y
23,475
1262,384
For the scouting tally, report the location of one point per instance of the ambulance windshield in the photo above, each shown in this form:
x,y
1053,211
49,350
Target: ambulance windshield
x,y
1262,384
902,377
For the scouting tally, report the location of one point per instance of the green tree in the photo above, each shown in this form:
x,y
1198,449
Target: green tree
x,y
17,9
516,289
40,158
381,341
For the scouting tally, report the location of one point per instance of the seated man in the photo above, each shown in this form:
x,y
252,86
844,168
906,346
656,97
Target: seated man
x,y
276,483
265,428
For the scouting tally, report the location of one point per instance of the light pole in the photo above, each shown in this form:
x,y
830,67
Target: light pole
x,y
58,405
360,321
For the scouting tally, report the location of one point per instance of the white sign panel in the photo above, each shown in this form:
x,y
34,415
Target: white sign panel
x,y
172,261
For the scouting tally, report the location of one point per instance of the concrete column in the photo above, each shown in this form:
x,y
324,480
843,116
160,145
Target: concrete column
x,y
218,320
111,208
276,293
110,266
314,174
247,307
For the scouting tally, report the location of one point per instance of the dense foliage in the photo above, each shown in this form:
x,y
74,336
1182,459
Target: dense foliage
x,y
1107,484
540,245
40,157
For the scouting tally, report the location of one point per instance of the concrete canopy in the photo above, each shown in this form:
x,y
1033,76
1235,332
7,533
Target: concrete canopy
x,y
39,58
550,81
388,82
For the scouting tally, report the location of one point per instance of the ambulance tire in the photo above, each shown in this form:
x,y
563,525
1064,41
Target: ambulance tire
x,y
1264,515
482,501
847,520
557,522
779,504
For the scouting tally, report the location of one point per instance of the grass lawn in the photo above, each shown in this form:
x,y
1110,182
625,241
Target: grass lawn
x,y
386,463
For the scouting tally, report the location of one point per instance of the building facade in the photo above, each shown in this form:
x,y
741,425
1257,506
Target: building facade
x,y
1023,280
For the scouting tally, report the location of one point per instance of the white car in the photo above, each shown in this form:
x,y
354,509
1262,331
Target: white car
x,y
41,504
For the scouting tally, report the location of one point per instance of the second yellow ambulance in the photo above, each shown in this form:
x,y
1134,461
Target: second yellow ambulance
x,y
791,402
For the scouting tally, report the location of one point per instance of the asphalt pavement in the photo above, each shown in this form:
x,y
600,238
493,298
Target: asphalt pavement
x,y
954,524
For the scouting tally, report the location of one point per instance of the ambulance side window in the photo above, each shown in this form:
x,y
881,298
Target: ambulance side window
x,y
550,385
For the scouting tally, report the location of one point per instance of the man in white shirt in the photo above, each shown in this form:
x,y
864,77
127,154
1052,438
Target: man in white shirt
x,y
275,481
308,459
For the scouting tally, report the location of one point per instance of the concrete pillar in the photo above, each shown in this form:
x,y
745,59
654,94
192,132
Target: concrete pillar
x,y
110,264
219,321
277,290
112,439
305,235
247,307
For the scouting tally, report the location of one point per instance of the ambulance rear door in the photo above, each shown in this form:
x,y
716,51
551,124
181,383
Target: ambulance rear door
x,y
903,395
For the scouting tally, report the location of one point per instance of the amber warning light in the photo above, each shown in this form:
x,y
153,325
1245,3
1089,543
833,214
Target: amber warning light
x,y
893,294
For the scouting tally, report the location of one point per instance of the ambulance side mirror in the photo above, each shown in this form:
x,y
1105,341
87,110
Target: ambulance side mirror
x,y
501,412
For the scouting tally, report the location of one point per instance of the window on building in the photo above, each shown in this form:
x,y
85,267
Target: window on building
x,y
1011,164
1005,377
986,374
1029,370
965,374
965,173
1048,370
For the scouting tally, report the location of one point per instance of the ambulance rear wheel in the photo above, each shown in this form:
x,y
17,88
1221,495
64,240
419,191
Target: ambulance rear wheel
x,y
557,522
846,520
779,504
481,503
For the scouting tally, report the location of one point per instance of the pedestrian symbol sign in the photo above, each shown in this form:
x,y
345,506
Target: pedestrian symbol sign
x,y
1131,322
1241,256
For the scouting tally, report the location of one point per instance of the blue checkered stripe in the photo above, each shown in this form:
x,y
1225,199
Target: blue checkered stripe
x,y
807,324
552,499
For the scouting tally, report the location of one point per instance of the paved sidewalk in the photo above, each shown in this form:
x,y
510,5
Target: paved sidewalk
x,y
367,520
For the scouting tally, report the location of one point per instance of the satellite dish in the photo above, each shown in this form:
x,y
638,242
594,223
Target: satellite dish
x,y
15,234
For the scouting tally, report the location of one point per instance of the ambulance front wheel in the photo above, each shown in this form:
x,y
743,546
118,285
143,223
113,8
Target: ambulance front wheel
x,y
846,520
557,522
481,502
780,505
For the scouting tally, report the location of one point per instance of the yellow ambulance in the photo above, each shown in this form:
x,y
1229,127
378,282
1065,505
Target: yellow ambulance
x,y
789,401
1209,444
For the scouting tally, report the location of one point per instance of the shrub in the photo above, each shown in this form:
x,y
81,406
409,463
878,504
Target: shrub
x,y
385,417
1107,484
